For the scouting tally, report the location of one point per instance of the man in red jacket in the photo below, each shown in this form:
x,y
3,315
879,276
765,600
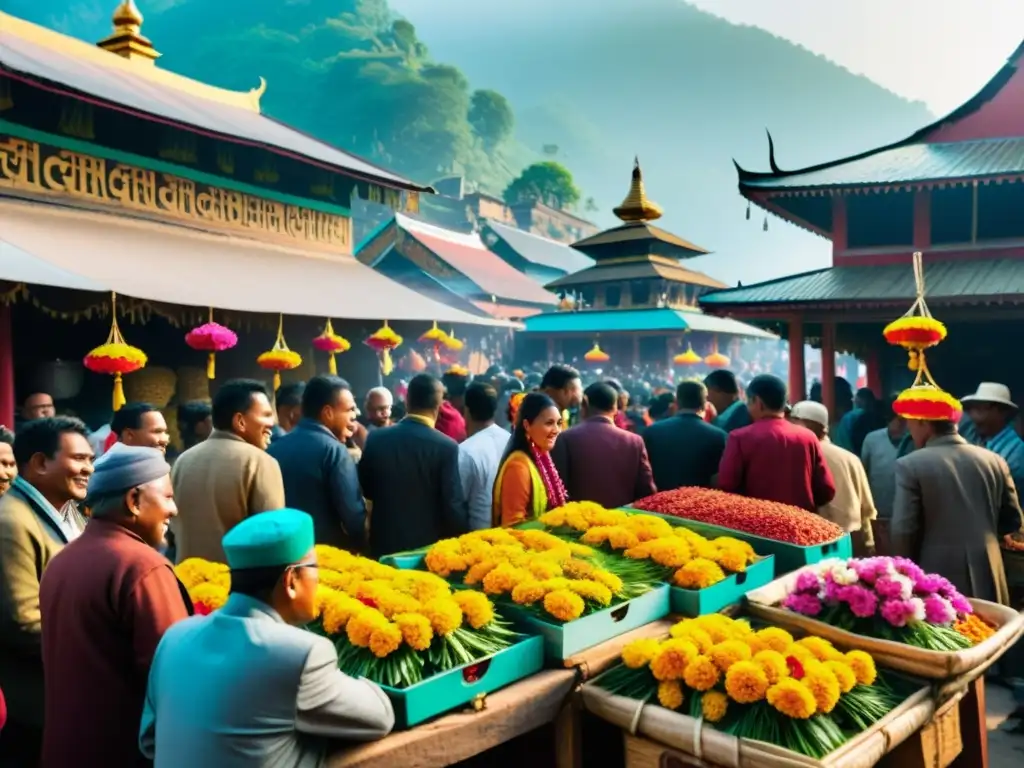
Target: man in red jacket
x,y
772,458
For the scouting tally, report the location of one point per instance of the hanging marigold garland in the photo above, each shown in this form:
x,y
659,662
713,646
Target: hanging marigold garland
x,y
332,344
279,358
383,341
716,359
689,357
213,338
597,355
436,338
917,330
452,343
115,357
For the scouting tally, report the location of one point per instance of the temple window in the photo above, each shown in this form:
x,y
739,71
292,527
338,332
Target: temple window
x,y
951,215
999,211
640,292
876,220
612,296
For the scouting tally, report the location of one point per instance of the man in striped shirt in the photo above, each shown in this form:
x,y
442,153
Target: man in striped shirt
x,y
988,422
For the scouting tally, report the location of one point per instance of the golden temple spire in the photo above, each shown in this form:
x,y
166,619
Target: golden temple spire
x,y
127,40
636,206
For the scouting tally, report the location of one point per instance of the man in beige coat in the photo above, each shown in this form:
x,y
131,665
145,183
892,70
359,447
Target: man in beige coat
x,y
230,476
853,507
954,503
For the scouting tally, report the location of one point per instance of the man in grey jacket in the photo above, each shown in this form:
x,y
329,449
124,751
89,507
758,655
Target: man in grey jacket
x,y
246,688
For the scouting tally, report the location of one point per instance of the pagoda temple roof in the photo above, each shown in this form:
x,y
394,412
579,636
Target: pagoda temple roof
x,y
977,281
635,268
983,138
65,65
591,321
538,250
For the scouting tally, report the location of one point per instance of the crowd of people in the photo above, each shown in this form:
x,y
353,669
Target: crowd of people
x,y
103,663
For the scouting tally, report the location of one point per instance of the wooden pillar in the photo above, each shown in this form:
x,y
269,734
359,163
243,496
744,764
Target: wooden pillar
x,y
797,371
828,367
874,367
636,350
840,228
973,728
6,368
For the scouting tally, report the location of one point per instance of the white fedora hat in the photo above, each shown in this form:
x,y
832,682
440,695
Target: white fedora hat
x,y
990,392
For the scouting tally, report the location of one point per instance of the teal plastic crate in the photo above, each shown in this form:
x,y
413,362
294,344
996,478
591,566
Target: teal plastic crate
x,y
698,602
457,687
788,557
409,562
563,640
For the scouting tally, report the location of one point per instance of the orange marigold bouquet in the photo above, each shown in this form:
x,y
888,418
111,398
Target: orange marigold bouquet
x,y
803,695
392,626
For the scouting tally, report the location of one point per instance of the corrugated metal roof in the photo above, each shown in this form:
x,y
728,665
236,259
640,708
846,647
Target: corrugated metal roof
x,y
467,254
541,250
910,163
983,279
629,320
49,56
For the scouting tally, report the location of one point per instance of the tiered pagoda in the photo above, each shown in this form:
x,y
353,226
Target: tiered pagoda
x,y
637,299
953,191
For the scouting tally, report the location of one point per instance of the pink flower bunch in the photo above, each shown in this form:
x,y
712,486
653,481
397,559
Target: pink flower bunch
x,y
892,588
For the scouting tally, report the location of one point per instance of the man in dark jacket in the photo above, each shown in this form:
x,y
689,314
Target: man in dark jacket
x,y
599,461
724,394
410,476
684,449
319,474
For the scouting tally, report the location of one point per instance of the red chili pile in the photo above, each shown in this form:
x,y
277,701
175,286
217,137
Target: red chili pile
x,y
768,519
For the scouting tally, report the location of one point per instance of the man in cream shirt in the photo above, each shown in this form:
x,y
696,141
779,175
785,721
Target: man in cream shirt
x,y
853,508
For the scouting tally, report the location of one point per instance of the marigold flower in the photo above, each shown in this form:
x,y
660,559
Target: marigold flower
x,y
822,649
729,652
564,605
360,626
528,592
213,596
823,685
577,569
670,694
553,519
610,580
732,560
621,538
416,630
477,572
672,659
591,590
504,578
728,542
701,674
863,666
444,614
773,664
686,630
541,569
385,640
775,639
746,682
640,652
792,699
579,550
845,676
194,571
336,611
597,535
718,626
641,551
714,705
672,553
699,573
475,607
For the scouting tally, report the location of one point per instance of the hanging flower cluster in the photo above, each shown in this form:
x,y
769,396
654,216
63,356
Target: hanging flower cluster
x,y
115,357
279,358
597,355
452,343
332,344
916,331
213,338
383,341
716,359
689,357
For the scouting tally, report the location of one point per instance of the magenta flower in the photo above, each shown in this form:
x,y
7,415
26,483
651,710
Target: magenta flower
x,y
908,568
896,587
835,593
898,612
938,610
928,584
959,603
863,602
808,605
807,582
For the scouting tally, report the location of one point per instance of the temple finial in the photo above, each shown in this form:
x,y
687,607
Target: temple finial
x,y
127,39
636,206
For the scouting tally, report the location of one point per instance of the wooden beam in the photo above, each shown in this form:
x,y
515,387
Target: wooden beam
x,y
828,367
797,370
840,228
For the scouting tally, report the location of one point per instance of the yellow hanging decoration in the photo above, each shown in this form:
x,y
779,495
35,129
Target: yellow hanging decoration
x,y
279,358
332,344
916,330
115,357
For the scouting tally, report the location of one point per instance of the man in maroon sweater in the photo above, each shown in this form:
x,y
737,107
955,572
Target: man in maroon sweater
x,y
773,459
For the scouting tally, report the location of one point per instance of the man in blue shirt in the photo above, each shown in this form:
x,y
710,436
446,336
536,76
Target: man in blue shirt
x,y
988,421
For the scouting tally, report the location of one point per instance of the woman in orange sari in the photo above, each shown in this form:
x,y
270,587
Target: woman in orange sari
x,y
528,484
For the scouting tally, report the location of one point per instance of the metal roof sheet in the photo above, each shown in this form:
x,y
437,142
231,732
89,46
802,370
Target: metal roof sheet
x,y
628,320
541,250
638,269
910,163
49,56
982,279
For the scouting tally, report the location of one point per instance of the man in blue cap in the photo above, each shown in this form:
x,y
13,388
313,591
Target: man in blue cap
x,y
245,686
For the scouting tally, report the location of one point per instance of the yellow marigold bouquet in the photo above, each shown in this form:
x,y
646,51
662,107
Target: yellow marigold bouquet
x,y
674,553
803,695
391,626
532,568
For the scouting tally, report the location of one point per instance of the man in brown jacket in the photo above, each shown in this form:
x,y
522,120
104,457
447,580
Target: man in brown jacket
x,y
954,503
37,518
230,476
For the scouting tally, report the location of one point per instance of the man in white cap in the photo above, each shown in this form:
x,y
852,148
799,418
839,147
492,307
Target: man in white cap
x,y
852,508
988,422
246,687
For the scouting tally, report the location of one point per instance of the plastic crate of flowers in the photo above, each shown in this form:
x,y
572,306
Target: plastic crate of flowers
x,y
431,648
908,619
705,574
796,537
571,594
733,695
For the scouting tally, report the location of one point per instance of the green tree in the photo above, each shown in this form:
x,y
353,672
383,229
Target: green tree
x,y
492,118
548,182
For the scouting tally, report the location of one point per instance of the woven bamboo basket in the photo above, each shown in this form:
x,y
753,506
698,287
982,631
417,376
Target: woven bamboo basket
x,y
193,385
154,385
173,432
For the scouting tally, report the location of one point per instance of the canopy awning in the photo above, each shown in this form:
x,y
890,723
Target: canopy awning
x,y
83,250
